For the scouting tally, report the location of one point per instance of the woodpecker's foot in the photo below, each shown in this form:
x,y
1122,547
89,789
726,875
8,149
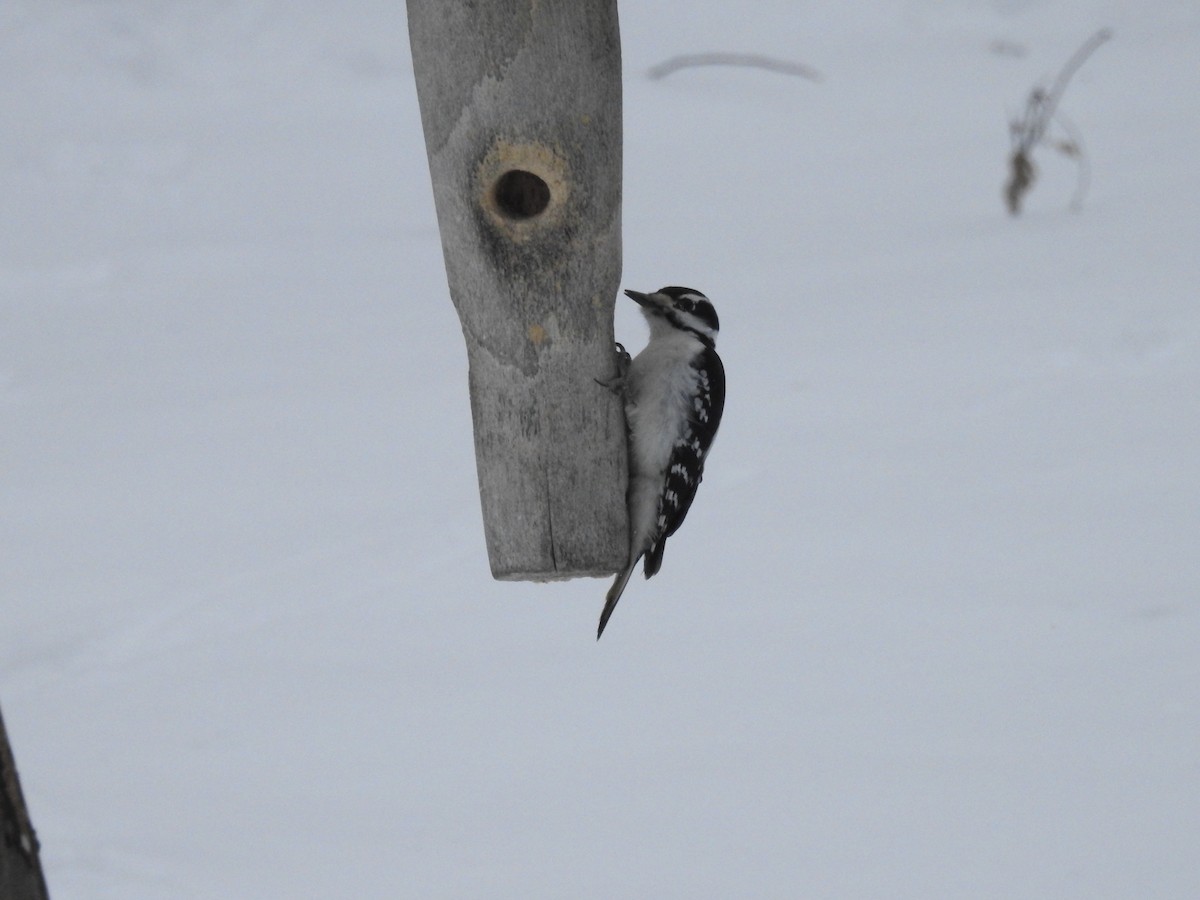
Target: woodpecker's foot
x,y
616,384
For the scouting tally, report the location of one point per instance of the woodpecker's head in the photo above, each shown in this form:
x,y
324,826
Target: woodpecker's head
x,y
680,308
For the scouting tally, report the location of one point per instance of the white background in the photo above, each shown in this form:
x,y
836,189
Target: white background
x,y
932,629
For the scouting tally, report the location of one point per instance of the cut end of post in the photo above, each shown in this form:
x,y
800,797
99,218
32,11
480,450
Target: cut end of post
x,y
537,575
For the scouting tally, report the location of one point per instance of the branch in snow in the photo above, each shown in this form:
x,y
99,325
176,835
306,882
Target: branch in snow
x,y
748,60
1027,132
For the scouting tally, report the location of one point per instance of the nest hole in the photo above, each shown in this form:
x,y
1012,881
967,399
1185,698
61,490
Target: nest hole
x,y
521,195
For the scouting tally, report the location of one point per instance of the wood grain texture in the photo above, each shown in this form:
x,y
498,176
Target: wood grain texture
x,y
533,263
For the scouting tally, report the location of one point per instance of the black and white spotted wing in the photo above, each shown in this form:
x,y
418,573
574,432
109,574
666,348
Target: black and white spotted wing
x,y
686,468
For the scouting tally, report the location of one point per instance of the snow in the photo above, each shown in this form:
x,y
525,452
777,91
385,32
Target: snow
x,y
931,630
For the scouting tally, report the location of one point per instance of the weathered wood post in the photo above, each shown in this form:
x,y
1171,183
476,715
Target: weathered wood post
x,y
521,109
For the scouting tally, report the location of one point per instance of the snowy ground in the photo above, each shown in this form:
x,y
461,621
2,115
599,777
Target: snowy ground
x,y
931,631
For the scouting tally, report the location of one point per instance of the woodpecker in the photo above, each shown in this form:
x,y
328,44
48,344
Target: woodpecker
x,y
674,393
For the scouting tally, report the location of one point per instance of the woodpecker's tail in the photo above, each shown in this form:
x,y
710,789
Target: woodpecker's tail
x,y
614,594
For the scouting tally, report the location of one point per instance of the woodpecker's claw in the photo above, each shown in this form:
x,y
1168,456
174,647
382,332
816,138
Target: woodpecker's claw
x,y
617,383
622,357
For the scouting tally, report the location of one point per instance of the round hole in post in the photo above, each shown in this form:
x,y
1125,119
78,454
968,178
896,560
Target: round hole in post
x,y
521,195
523,188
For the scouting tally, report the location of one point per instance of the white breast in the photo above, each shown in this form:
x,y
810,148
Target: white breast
x,y
660,386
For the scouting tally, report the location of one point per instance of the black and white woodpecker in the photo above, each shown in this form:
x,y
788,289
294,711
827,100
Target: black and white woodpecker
x,y
674,392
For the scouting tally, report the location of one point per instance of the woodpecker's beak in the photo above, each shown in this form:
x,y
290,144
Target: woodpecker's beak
x,y
652,303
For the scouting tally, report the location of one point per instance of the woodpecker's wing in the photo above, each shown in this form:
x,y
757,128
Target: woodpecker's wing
x,y
686,468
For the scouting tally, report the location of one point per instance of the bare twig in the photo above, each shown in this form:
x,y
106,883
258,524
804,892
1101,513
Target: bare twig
x,y
1073,148
1020,180
750,60
1054,95
1030,130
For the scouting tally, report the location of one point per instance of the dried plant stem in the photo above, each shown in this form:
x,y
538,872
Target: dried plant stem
x,y
1027,132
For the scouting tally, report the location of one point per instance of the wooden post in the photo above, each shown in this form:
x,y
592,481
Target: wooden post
x,y
521,109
